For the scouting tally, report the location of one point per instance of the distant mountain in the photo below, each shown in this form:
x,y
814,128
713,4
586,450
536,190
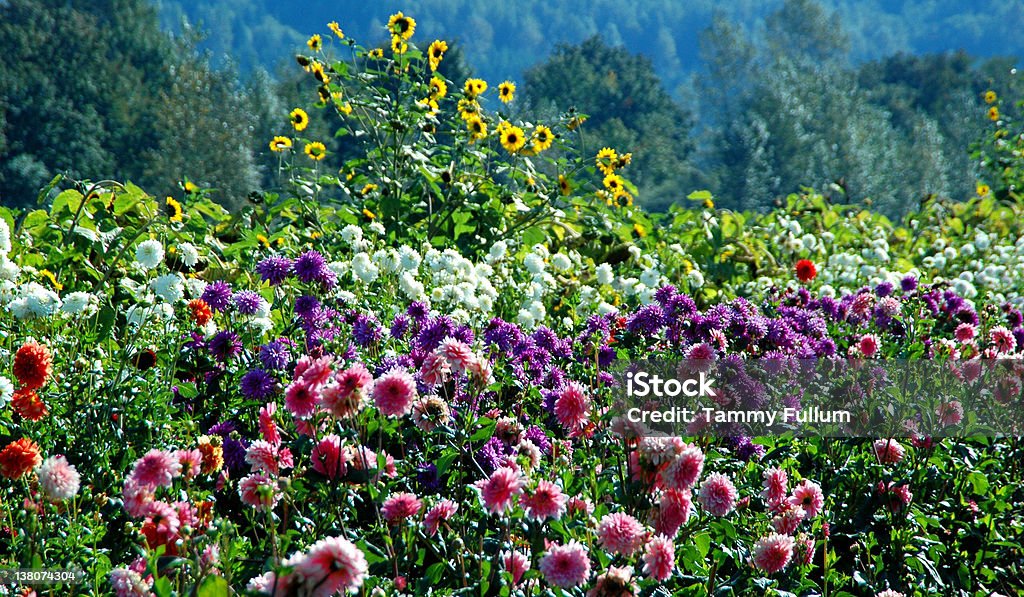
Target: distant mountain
x,y
504,38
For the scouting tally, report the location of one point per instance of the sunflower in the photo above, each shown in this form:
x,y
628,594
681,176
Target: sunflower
x,y
993,113
542,138
506,91
512,138
369,214
475,87
318,71
468,108
191,187
576,122
428,103
438,88
369,188
623,160
606,160
983,190
299,118
477,127
316,151
345,108
436,52
990,97
52,278
401,26
263,240
315,42
613,182
376,53
398,45
174,208
333,26
564,186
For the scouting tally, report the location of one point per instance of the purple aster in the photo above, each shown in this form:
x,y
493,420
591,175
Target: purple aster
x,y
1018,334
217,295
234,453
366,331
427,478
225,345
247,302
305,305
884,289
399,326
258,385
1015,318
275,355
908,284
434,331
274,270
417,311
665,294
310,267
492,454
967,315
747,450
536,435
223,429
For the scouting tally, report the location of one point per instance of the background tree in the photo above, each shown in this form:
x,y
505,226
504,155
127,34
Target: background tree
x,y
628,108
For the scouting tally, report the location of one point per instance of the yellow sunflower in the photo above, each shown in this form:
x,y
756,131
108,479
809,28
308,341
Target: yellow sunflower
x,y
398,45
369,214
316,151
436,52
318,71
477,128
564,186
512,138
369,188
315,42
376,53
993,113
613,182
623,160
299,118
542,138
990,97
333,26
191,187
506,91
468,108
345,108
175,208
52,278
576,122
606,160
401,26
438,88
983,190
475,87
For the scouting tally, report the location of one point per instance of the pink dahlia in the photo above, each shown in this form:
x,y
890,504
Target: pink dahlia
x,y
888,451
788,520
868,345
659,558
566,565
896,497
572,407
129,583
137,498
889,593
300,399
457,354
950,413
804,549
345,396
58,479
400,506
259,491
331,566
156,468
579,505
430,412
685,469
515,564
773,553
444,510
394,392
435,369
268,428
673,511
717,494
314,372
328,458
965,332
614,582
191,462
1002,338
546,501
499,491
775,487
621,533
808,495
262,456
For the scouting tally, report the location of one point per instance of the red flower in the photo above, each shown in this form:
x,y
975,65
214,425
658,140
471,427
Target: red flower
x,y
201,312
19,457
805,270
33,365
29,405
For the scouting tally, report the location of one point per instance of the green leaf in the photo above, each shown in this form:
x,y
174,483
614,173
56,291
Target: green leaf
x,y
213,586
699,196
703,543
162,587
979,482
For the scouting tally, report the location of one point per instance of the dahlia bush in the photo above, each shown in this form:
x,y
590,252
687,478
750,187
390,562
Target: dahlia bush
x,y
398,375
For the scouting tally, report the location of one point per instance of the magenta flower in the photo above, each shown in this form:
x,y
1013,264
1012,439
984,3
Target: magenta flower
x,y
659,558
773,553
566,565
329,459
888,451
515,564
394,393
621,533
156,468
498,492
444,510
400,506
808,495
717,494
685,469
331,566
775,487
259,491
572,407
546,501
